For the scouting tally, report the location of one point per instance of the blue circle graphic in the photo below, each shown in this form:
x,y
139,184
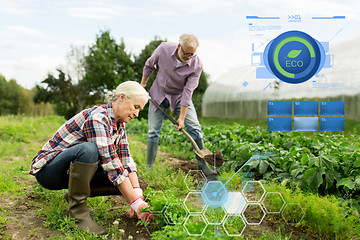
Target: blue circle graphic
x,y
294,57
322,56
214,194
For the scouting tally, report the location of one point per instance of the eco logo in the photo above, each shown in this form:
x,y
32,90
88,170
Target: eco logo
x,y
294,57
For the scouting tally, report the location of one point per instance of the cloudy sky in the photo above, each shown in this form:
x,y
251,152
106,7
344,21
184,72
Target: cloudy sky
x,y
37,35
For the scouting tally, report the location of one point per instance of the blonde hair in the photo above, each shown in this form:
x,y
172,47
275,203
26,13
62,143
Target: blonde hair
x,y
130,89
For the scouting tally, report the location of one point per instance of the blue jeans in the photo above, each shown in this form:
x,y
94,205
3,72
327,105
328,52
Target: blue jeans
x,y
156,119
53,176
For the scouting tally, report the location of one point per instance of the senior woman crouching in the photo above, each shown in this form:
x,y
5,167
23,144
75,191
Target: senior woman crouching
x,y
92,138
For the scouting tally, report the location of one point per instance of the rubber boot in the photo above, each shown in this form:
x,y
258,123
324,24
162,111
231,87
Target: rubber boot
x,y
80,175
151,154
99,191
202,165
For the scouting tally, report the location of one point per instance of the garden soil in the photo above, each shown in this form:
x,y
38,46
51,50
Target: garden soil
x,y
24,221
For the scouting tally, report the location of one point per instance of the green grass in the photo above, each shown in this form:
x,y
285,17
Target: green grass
x,y
324,216
3,221
20,139
21,136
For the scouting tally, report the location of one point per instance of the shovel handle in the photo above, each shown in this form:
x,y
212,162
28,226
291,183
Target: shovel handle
x,y
175,123
191,139
164,112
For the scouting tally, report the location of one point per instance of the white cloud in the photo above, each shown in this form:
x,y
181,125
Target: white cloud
x,y
161,14
30,70
98,10
24,31
221,54
16,8
315,7
90,12
199,6
135,44
28,61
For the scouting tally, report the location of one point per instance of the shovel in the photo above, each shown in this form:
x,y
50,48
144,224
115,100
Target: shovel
x,y
214,159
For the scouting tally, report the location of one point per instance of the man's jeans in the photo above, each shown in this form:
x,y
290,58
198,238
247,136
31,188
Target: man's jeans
x,y
156,118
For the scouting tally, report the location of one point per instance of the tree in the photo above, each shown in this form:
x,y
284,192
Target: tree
x,y
140,60
62,92
14,99
76,63
10,93
107,65
104,68
139,64
199,92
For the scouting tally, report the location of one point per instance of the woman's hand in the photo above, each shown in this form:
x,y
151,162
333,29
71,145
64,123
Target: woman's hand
x,y
137,206
139,192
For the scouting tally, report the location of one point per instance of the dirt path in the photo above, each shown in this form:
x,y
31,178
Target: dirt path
x,y
23,221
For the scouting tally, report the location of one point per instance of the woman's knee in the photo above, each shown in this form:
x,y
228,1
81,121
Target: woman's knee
x,y
88,153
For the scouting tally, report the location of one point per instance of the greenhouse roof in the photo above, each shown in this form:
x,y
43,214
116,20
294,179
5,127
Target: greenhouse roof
x,y
342,79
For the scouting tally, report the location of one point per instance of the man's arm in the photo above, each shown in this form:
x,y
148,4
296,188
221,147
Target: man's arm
x,y
144,80
185,100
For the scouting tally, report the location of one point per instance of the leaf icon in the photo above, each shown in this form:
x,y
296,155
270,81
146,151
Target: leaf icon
x,y
294,53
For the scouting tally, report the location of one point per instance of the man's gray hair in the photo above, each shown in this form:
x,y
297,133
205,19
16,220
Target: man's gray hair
x,y
189,39
130,89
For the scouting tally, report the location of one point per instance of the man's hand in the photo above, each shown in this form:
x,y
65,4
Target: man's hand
x,y
181,120
181,124
144,81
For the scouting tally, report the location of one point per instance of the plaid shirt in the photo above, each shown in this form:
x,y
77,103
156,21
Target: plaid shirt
x,y
96,125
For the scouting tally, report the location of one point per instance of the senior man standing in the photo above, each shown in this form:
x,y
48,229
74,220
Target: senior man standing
x,y
178,76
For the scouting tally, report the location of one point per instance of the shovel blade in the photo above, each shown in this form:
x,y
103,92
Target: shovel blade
x,y
208,156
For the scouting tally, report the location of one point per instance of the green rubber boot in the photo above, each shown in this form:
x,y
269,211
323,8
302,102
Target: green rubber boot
x,y
210,174
151,154
80,175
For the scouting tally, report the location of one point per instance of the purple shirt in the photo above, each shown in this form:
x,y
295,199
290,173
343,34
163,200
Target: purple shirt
x,y
177,84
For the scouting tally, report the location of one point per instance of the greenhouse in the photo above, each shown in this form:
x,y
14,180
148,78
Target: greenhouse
x,y
238,94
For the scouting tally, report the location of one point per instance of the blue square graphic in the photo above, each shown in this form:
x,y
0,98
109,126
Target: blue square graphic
x,y
332,124
279,123
332,108
306,107
306,124
279,107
